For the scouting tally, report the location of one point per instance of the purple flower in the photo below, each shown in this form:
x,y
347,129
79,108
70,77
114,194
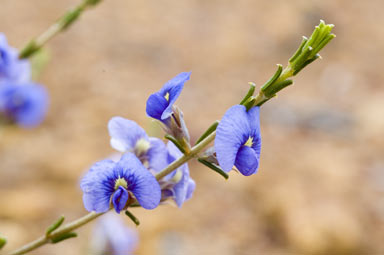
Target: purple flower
x,y
238,140
25,104
117,183
159,104
12,69
112,237
128,136
178,185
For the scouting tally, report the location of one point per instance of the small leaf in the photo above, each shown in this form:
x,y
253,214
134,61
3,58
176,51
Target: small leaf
x,y
132,217
214,167
175,142
209,131
55,225
65,236
249,93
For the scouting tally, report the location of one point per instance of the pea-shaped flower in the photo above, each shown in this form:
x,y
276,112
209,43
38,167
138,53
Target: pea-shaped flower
x,y
12,69
118,183
24,104
128,136
159,104
238,140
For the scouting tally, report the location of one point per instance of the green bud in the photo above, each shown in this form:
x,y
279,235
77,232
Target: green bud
x,y
309,48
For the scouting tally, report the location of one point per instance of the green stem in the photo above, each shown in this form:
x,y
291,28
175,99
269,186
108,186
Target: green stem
x,y
63,23
91,216
63,230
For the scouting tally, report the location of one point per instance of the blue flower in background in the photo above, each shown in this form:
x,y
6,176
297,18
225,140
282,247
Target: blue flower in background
x,y
159,104
128,136
117,183
178,185
25,104
111,236
238,140
12,69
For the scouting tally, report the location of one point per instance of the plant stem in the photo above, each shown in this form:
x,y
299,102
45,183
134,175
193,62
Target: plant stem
x,y
65,229
91,216
180,161
63,23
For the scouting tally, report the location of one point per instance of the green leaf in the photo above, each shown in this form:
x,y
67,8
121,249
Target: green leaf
x,y
250,92
209,131
62,237
214,167
175,142
132,217
55,225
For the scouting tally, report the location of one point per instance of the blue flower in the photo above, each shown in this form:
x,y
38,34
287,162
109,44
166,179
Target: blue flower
x,y
112,236
118,183
238,140
25,104
12,69
159,104
178,185
128,136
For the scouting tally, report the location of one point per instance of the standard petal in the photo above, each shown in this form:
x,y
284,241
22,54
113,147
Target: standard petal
x,y
231,133
124,133
119,199
157,154
156,104
140,181
174,88
96,202
247,161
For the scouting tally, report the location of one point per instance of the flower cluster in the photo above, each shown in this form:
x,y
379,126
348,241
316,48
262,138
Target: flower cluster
x,y
131,180
21,101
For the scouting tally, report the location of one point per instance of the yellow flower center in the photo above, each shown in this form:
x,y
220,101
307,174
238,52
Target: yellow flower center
x,y
249,142
121,182
167,96
142,146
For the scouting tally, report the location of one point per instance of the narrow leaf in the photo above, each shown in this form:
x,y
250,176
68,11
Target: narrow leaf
x,y
214,167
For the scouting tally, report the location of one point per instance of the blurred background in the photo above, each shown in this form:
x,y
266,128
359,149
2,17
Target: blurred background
x,y
319,189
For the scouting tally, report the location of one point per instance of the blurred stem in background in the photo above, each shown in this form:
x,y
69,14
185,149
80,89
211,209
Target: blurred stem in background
x,y
305,54
62,24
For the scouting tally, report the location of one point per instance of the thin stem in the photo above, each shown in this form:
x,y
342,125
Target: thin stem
x,y
180,161
63,23
65,229
91,216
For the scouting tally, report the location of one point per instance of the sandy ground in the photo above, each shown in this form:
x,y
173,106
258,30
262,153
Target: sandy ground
x,y
320,185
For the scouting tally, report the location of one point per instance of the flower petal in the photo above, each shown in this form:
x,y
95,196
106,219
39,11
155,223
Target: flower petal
x,y
231,133
157,154
124,133
156,104
174,88
119,199
25,104
247,161
98,186
140,181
